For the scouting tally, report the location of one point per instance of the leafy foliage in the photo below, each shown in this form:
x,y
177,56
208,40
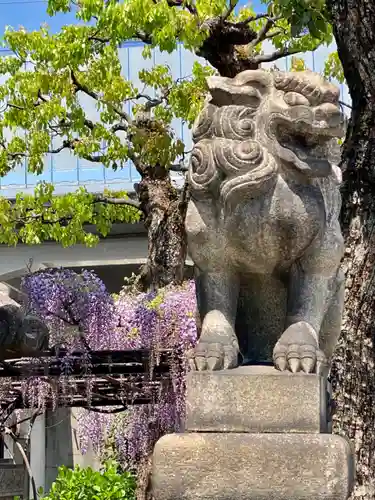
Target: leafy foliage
x,y
297,64
33,219
51,75
87,484
333,68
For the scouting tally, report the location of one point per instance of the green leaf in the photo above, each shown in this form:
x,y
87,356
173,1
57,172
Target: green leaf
x,y
333,68
87,484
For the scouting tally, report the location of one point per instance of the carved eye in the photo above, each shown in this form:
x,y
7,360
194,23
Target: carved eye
x,y
294,99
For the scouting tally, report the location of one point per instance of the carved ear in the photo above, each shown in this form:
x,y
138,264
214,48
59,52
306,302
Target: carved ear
x,y
246,89
257,78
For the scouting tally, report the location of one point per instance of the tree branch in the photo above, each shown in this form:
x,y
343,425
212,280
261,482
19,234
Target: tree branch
x,y
250,19
273,34
71,144
117,201
25,459
264,30
65,220
15,106
83,88
119,127
67,144
189,5
34,416
19,422
179,167
22,108
41,97
152,102
144,37
345,105
231,7
278,54
96,38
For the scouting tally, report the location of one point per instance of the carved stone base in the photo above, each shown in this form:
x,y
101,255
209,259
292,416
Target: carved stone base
x,y
254,433
239,466
256,399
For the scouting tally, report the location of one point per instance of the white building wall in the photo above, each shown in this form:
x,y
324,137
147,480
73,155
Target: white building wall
x,y
121,250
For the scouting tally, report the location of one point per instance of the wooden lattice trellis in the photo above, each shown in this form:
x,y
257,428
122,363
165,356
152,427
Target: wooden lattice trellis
x,y
116,378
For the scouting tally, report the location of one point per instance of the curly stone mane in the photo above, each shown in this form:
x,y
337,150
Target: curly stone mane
x,y
234,141
227,155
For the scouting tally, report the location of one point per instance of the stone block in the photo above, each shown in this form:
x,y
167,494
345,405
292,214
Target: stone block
x,y
12,479
212,466
256,399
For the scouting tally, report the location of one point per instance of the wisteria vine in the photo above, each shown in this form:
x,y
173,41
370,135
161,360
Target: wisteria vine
x,y
75,307
80,313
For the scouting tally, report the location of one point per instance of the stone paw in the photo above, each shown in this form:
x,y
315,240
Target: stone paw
x,y
298,350
214,355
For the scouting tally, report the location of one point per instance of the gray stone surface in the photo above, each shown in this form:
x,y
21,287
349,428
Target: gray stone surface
x,y
12,479
62,444
255,399
20,334
200,466
262,223
59,443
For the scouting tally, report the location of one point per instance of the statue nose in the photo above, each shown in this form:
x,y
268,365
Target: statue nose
x,y
331,114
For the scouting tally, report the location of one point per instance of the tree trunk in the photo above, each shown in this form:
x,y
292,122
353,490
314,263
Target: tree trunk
x,y
164,208
221,47
353,372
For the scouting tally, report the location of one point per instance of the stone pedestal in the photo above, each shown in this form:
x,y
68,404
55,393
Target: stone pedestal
x,y
254,433
241,466
256,399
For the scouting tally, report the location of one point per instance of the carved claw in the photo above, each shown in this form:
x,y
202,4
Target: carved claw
x,y
298,350
214,356
307,365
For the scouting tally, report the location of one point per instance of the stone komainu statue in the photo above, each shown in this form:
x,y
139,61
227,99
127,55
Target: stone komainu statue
x,y
262,223
20,334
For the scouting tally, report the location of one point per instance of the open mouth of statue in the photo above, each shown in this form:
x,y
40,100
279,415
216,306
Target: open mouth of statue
x,y
305,141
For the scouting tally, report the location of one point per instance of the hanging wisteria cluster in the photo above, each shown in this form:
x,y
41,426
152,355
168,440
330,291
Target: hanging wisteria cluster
x,y
81,313
75,306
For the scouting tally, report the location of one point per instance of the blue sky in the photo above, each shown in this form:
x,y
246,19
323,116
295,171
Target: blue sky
x,y
30,14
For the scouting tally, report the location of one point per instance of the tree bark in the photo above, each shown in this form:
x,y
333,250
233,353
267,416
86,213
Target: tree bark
x,y
164,208
219,49
353,372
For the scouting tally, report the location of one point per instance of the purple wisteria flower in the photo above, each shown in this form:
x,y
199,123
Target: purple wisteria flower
x,y
72,305
77,304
